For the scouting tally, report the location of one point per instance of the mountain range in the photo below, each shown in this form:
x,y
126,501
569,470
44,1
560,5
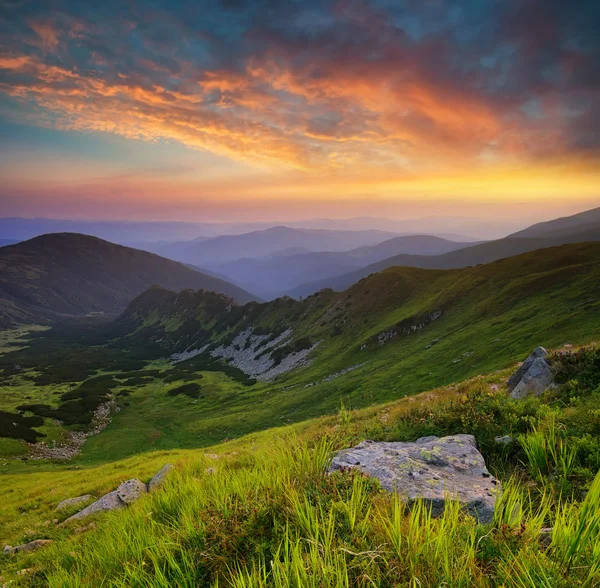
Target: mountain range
x,y
575,229
66,274
280,273
257,244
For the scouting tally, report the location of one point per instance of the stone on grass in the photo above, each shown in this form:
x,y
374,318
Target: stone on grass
x,y
110,501
432,468
504,440
31,546
72,501
518,375
535,381
159,478
131,490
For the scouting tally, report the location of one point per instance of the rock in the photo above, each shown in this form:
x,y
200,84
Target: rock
x,y
518,375
535,381
110,501
72,501
504,440
159,478
31,546
433,469
131,490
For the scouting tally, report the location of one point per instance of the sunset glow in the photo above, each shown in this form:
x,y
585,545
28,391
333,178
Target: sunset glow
x,y
222,110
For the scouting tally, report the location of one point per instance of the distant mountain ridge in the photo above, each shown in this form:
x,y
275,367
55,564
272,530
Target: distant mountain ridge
x,y
256,244
577,229
347,329
278,274
586,221
66,274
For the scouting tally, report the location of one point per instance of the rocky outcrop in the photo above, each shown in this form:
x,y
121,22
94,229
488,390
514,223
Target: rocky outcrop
x,y
253,354
533,377
432,468
159,478
127,493
131,490
72,501
31,546
110,501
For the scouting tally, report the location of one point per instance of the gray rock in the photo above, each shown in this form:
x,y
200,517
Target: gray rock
x,y
518,375
110,501
433,469
31,546
72,501
535,380
159,478
504,440
131,490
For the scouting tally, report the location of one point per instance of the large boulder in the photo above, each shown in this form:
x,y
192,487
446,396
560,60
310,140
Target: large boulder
x,y
432,468
159,478
131,490
535,380
110,501
537,353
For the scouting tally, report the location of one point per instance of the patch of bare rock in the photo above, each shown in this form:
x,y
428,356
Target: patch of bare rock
x,y
75,439
432,468
127,493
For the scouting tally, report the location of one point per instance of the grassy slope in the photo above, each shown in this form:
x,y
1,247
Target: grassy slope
x,y
496,314
230,510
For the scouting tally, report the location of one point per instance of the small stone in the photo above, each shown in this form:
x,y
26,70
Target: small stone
x,y
72,501
131,490
503,440
31,546
535,381
538,352
159,478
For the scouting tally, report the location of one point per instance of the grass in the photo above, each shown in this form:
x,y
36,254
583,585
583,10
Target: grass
x,y
260,511
254,508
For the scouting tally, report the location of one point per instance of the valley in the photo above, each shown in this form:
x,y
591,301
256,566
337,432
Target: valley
x,y
254,394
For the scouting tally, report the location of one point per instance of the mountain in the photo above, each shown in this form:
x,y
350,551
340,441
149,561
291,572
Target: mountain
x,y
71,274
398,332
467,256
390,305
284,271
219,250
4,242
586,221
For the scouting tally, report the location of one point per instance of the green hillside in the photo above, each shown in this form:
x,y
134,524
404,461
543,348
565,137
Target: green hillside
x,y
261,512
394,334
399,355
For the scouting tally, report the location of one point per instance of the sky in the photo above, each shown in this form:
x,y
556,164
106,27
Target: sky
x,y
230,110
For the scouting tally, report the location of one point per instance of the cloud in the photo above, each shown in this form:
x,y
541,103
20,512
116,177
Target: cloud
x,y
315,85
